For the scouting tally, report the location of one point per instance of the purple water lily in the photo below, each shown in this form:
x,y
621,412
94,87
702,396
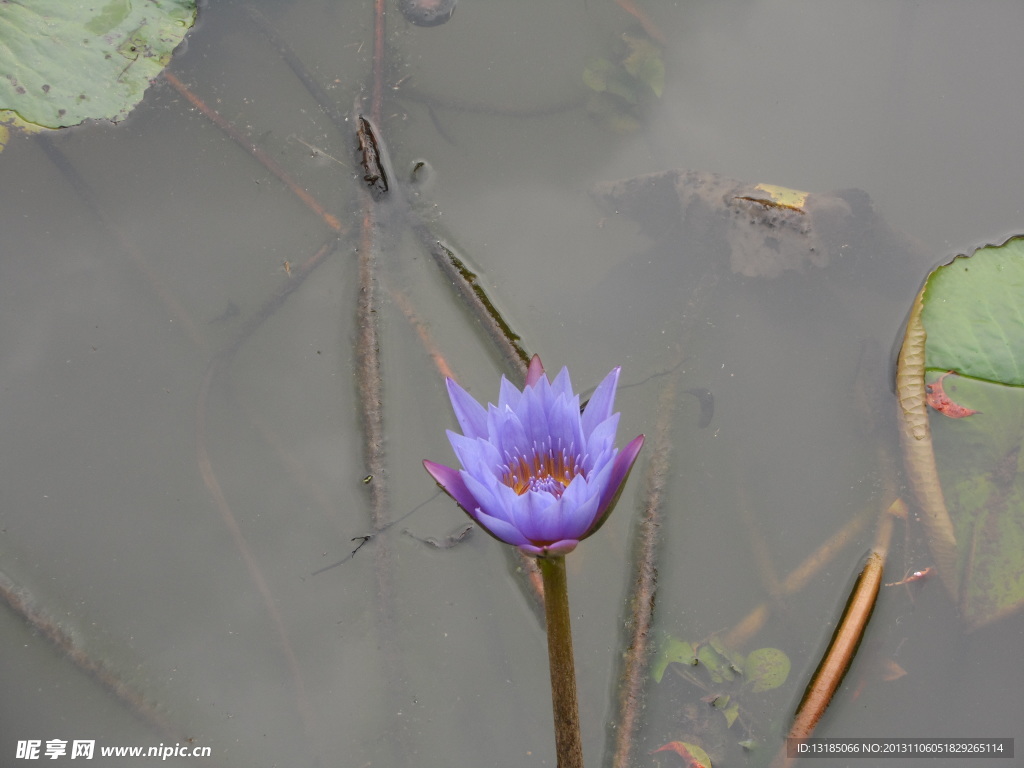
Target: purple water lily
x,y
537,473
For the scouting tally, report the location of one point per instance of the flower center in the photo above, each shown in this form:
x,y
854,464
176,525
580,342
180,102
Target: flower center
x,y
545,470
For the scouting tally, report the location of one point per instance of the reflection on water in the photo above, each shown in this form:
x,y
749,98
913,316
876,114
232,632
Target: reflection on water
x,y
113,306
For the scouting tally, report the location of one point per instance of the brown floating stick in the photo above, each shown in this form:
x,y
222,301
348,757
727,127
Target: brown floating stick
x,y
846,639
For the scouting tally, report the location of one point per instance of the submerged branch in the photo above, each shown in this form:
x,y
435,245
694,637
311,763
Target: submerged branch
x,y
464,280
637,657
216,367
798,578
218,364
21,602
86,194
265,160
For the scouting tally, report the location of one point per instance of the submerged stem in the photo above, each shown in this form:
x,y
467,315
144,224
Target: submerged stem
x,y
563,670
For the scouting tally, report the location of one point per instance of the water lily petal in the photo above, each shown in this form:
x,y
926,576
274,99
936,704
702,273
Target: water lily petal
x,y
508,434
489,495
620,471
564,427
471,415
535,371
563,547
476,456
536,515
579,517
452,483
599,408
602,438
562,385
531,414
499,529
509,395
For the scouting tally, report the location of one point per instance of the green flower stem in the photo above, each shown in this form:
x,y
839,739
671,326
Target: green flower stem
x,y
563,670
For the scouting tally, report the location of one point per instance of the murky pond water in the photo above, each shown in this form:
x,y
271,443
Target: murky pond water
x,y
122,292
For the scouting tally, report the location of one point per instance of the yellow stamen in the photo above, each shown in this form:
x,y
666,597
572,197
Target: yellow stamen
x,y
550,471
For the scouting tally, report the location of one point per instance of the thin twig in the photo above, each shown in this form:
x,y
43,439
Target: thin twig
x,y
300,71
266,160
635,661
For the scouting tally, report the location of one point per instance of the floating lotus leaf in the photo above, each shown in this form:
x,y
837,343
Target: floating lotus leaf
x,y
966,468
62,62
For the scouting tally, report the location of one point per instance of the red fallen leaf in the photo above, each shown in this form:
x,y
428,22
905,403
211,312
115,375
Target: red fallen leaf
x,y
939,400
683,750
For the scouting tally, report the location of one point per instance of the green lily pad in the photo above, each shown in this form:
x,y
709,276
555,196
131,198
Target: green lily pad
x,y
765,669
966,468
62,63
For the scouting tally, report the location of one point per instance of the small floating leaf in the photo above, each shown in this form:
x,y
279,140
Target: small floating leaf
x,y
625,82
730,709
644,62
604,77
766,668
722,665
62,63
672,650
